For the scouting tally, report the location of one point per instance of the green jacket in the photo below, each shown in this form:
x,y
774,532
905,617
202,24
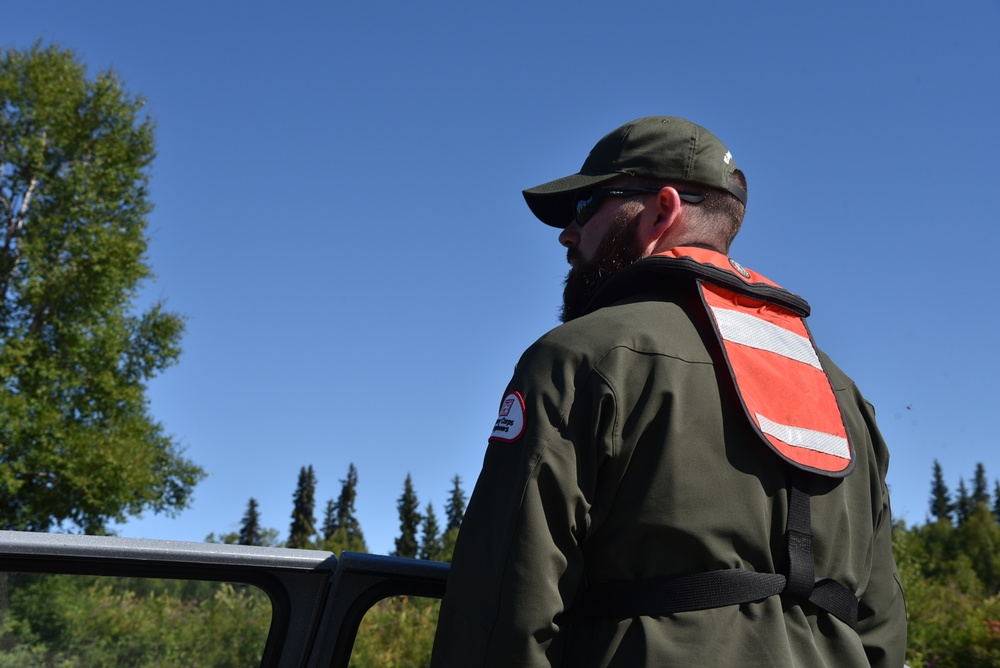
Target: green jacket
x,y
635,461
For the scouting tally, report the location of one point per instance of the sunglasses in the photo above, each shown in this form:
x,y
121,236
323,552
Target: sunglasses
x,y
586,208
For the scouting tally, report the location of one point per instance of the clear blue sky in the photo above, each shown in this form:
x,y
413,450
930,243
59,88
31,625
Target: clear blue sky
x,y
338,213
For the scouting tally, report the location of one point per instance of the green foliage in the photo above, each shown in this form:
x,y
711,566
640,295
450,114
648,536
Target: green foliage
x,y
951,578
455,508
304,507
231,538
341,528
409,521
941,505
397,633
77,442
996,500
340,541
448,545
431,544
330,525
251,533
81,621
963,503
980,487
86,621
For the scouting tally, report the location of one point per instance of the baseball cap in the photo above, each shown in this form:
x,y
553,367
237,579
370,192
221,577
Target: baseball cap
x,y
664,148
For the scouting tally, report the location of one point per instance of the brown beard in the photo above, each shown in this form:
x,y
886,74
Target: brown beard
x,y
617,250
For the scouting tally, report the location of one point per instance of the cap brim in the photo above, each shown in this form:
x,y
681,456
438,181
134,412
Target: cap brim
x,y
554,203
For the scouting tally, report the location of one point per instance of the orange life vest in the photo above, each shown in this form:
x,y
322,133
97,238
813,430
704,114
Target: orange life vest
x,y
775,366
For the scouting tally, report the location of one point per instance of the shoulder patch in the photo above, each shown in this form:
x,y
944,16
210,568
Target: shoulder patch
x,y
510,423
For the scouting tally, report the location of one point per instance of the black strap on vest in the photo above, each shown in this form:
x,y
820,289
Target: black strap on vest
x,y
715,589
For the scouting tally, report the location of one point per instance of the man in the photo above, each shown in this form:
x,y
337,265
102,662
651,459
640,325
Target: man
x,y
677,476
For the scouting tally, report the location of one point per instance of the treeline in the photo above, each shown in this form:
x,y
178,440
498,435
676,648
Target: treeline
x,y
950,570
74,621
420,534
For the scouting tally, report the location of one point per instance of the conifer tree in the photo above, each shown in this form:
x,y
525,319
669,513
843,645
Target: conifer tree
x,y
941,504
980,491
963,505
346,518
996,500
409,521
303,520
341,528
431,546
455,508
330,520
250,531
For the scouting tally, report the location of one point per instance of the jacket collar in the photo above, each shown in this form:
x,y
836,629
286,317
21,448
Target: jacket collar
x,y
686,264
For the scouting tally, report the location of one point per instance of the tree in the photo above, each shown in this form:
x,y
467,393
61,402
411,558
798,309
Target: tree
x,y
455,508
963,505
346,518
941,505
304,505
341,528
455,511
250,530
78,446
330,525
980,487
431,545
409,521
996,500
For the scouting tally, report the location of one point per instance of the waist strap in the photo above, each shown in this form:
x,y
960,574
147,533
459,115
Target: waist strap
x,y
701,591
733,586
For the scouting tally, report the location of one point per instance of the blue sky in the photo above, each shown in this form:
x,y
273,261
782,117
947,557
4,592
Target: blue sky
x,y
338,214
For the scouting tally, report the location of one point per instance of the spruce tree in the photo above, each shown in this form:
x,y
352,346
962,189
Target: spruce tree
x,y
980,488
431,546
346,518
941,504
455,511
455,508
250,531
409,521
996,500
346,534
964,505
303,521
330,520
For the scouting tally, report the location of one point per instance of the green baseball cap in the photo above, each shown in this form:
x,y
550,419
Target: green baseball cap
x,y
665,148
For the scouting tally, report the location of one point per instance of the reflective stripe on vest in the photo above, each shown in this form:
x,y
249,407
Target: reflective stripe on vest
x,y
781,382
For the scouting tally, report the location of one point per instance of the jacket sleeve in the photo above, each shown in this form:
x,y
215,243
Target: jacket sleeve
x,y
518,563
882,608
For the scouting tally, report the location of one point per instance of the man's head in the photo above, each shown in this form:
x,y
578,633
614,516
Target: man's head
x,y
659,149
652,184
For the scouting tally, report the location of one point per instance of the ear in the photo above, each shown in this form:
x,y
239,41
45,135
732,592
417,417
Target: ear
x,y
661,222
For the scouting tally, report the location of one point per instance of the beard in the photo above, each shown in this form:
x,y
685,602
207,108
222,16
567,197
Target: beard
x,y
618,249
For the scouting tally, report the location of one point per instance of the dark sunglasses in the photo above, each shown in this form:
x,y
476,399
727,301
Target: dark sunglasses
x,y
586,208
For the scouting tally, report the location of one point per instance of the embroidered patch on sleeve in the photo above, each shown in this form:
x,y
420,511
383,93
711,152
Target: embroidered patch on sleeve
x,y
510,423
